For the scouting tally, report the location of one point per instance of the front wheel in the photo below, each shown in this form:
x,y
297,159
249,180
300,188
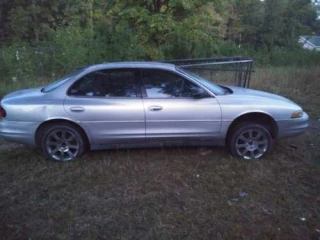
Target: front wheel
x,y
250,141
62,142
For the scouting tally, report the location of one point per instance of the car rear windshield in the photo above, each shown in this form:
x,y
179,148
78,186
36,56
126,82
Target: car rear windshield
x,y
208,84
61,81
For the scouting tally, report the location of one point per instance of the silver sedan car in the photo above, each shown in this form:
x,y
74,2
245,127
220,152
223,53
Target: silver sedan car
x,y
146,104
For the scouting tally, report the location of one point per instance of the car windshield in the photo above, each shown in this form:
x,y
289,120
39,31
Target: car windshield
x,y
210,85
59,82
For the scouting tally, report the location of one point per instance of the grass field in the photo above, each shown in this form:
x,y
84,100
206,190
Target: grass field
x,y
171,193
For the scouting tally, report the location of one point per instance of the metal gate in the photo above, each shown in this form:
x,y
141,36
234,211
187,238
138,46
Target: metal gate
x,y
224,70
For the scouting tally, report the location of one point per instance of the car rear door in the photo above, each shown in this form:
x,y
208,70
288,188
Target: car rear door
x,y
108,104
177,109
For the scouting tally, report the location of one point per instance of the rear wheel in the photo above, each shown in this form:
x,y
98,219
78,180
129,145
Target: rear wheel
x,y
62,142
250,141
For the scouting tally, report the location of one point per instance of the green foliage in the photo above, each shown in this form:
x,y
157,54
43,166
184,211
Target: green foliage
x,y
168,28
288,57
17,61
52,37
72,47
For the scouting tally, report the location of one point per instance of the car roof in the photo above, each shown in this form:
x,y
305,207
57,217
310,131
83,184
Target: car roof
x,y
134,65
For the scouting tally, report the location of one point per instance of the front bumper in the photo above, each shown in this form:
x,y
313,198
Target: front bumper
x,y
19,132
293,127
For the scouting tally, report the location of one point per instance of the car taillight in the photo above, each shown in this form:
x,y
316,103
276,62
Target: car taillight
x,y
2,112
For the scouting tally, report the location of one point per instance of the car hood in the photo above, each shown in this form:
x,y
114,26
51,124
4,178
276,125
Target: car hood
x,y
256,94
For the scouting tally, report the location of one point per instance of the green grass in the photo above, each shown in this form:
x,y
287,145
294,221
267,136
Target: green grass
x,y
171,193
299,84
8,85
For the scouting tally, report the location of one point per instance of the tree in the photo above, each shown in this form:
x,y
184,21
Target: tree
x,y
5,30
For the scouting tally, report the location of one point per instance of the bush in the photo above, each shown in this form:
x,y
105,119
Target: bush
x,y
74,46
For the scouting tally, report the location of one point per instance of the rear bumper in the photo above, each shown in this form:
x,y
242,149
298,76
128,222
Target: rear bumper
x,y
293,127
19,132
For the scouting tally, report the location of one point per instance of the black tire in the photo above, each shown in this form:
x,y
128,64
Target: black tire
x,y
250,141
62,142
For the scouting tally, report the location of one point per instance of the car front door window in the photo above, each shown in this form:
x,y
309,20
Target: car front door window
x,y
163,84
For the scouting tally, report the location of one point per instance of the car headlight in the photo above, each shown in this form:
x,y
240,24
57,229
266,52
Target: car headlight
x,y
297,114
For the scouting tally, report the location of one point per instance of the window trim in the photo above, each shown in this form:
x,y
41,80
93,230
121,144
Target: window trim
x,y
144,91
136,80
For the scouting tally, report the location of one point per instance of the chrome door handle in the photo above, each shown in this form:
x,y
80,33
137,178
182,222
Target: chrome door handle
x,y
76,109
155,108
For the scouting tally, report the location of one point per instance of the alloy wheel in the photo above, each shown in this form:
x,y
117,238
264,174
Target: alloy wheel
x,y
251,144
62,145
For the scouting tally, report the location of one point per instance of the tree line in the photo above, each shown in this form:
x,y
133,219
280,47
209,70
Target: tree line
x,y
87,31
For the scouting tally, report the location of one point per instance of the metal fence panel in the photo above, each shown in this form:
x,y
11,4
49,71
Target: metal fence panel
x,y
223,70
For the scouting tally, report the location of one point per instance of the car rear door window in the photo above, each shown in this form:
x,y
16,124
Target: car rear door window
x,y
106,83
164,84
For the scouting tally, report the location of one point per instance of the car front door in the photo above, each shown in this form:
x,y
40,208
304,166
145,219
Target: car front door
x,y
177,109
108,104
